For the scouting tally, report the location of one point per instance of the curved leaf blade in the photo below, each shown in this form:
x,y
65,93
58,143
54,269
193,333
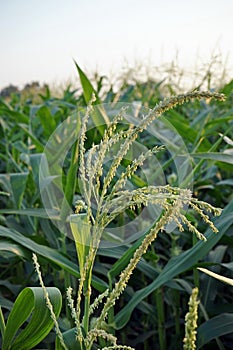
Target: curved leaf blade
x,y
30,302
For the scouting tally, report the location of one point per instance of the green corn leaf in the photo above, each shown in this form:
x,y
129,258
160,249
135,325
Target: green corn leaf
x,y
227,89
70,182
121,263
2,322
30,304
214,328
80,228
216,156
47,120
35,161
99,115
38,212
69,339
15,116
178,264
39,146
18,184
185,131
15,185
50,254
219,121
8,246
123,256
227,182
87,86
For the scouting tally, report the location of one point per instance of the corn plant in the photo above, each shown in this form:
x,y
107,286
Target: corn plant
x,y
104,197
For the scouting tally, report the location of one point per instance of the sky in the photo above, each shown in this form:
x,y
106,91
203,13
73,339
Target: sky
x,y
40,39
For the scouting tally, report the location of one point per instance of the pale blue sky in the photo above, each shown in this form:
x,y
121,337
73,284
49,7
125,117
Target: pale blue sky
x,y
39,39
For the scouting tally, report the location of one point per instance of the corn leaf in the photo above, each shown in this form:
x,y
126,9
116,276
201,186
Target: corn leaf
x,y
69,339
50,254
30,304
214,328
216,156
98,116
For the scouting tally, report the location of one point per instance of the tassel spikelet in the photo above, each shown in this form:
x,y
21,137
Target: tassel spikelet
x,y
191,322
48,302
